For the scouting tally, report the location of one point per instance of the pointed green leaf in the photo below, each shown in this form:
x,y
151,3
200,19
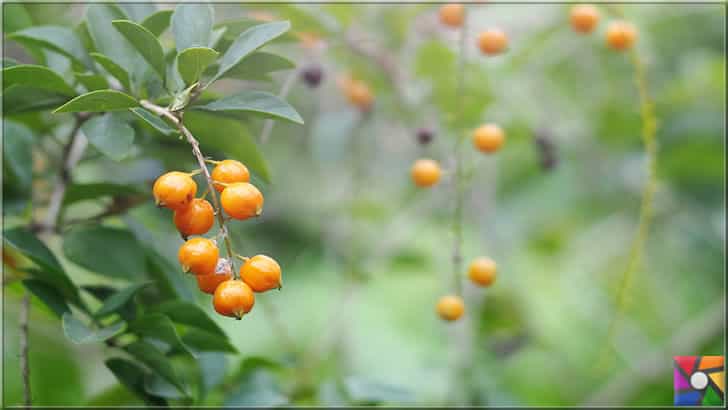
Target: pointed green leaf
x,y
258,65
145,42
132,377
18,154
257,388
138,11
49,295
92,81
153,120
19,99
56,38
29,245
158,386
256,102
79,333
111,42
158,22
189,314
117,301
155,360
249,41
110,135
158,326
192,25
99,100
229,136
36,76
77,192
193,61
112,68
104,250
200,341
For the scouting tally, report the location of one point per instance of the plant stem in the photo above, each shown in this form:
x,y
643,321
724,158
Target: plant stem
x,y
24,356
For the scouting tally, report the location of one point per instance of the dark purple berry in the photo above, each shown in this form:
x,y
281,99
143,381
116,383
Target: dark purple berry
x,y
546,149
424,136
312,76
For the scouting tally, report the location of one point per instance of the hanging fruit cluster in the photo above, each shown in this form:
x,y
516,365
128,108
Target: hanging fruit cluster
x,y
233,294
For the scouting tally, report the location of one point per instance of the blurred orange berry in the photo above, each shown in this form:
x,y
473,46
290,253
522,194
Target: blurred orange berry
x,y
452,15
425,172
493,41
450,308
621,35
584,18
488,138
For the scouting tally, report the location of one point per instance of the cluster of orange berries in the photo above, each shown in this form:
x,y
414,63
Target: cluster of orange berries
x,y
482,272
621,35
491,42
487,138
199,255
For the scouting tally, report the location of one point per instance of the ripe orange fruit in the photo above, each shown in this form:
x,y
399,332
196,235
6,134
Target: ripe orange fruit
x,y
209,283
488,138
425,172
196,219
261,273
452,15
199,256
621,35
174,190
242,200
584,18
233,298
482,271
450,307
229,171
492,41
360,95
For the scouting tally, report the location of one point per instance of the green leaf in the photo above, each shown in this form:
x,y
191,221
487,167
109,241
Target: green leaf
x,y
9,62
158,22
49,295
229,136
97,101
193,61
155,360
19,99
112,43
62,40
201,341
112,68
160,327
77,192
92,81
109,251
17,154
132,377
255,102
138,11
249,41
367,391
153,120
157,386
15,17
258,65
36,76
192,25
258,388
213,368
110,135
145,42
119,299
166,274
79,333
189,314
29,245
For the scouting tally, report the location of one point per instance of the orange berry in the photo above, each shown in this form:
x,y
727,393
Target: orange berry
x,y
199,256
360,95
233,298
482,271
229,171
493,41
452,15
584,18
425,172
488,138
261,273
174,190
242,200
450,308
621,35
196,219
208,283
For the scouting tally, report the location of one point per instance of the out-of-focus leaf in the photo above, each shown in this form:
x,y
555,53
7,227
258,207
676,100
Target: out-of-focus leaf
x,y
79,333
110,42
99,100
213,368
109,134
366,391
9,62
25,242
229,136
255,102
15,17
158,386
158,326
119,299
145,42
158,22
192,25
155,360
36,76
19,99
56,38
82,192
258,388
258,65
112,68
138,11
189,314
153,120
108,251
48,295
201,341
92,81
193,61
249,41
132,377
17,154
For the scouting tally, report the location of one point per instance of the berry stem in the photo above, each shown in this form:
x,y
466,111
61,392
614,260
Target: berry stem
x,y
176,119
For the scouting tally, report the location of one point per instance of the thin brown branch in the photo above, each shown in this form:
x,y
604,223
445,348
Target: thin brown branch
x,y
24,356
